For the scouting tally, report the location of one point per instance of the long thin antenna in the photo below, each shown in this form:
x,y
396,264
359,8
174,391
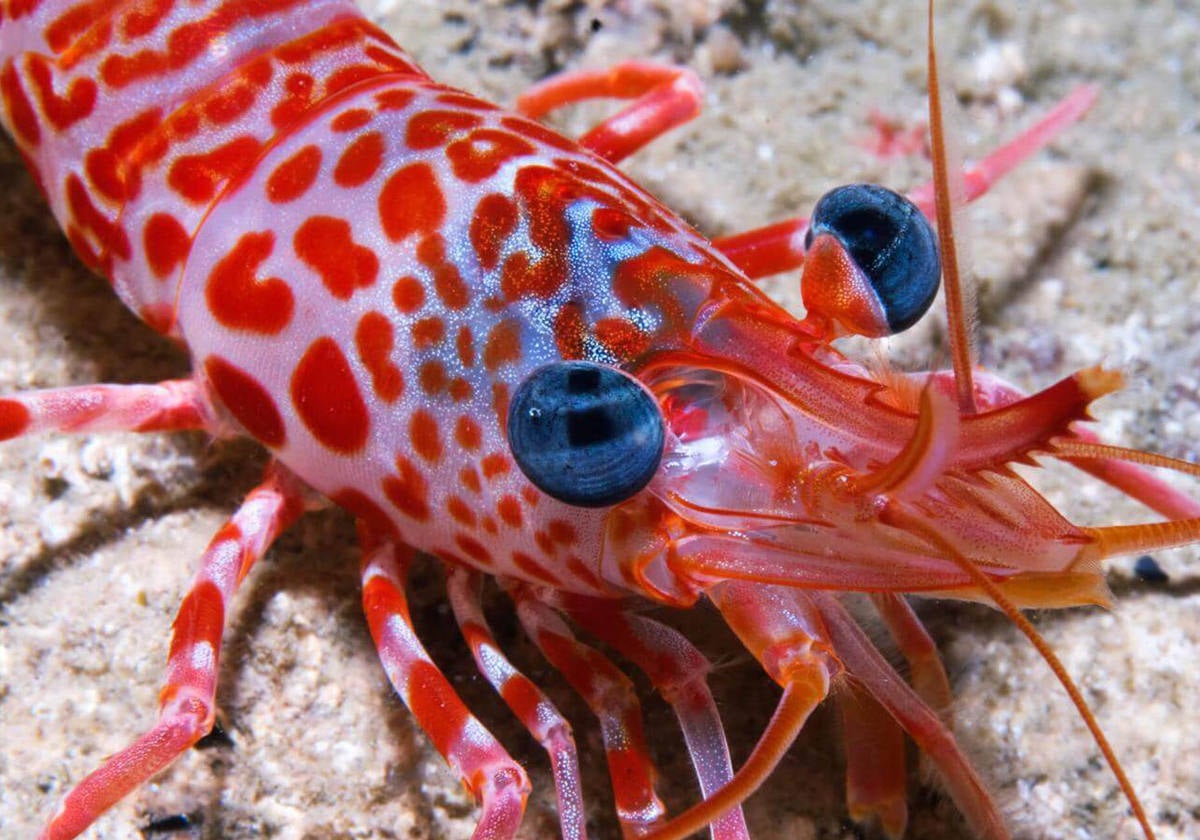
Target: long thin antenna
x,y
960,346
900,516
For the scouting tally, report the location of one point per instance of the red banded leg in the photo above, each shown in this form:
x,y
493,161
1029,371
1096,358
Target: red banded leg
x,y
525,699
779,247
866,665
924,662
875,771
166,406
665,98
186,702
497,782
679,673
610,696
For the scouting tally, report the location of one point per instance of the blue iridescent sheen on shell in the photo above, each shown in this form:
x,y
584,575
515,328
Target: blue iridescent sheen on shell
x,y
891,242
586,434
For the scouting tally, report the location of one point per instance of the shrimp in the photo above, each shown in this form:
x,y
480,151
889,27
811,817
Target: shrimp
x,y
293,568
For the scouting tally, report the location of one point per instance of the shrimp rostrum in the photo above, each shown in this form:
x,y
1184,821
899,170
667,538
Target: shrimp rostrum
x,y
488,344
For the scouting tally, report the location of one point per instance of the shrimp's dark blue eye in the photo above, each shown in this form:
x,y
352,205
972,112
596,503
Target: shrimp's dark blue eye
x,y
890,242
587,434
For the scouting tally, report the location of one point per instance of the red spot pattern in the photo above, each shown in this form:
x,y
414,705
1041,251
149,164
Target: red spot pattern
x,y
469,479
494,465
365,508
20,109
235,96
474,549
561,531
293,178
509,511
447,280
396,99
612,225
480,154
241,301
298,92
198,177
104,173
72,23
432,377
186,43
460,511
360,161
14,419
326,245
532,568
408,294
134,143
62,111
247,400
350,120
435,705
411,202
494,221
166,243
408,490
464,342
374,341
570,331
423,431
503,344
581,572
467,433
460,389
622,338
500,402
144,18
327,398
427,332
109,235
539,133
436,129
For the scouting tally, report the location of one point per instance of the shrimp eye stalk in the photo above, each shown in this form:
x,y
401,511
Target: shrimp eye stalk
x,y
586,434
871,264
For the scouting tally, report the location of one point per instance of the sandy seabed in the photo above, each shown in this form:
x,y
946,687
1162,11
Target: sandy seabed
x,y
1090,253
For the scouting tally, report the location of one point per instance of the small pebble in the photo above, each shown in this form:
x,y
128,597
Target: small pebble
x,y
1148,571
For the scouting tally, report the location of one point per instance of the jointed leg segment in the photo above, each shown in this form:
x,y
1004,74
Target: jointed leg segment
x,y
497,782
187,701
526,700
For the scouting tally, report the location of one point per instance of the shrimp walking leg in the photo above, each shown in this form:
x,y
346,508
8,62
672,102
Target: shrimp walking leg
x,y
875,772
166,406
679,673
611,697
928,675
543,720
866,665
664,97
790,648
488,772
187,701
